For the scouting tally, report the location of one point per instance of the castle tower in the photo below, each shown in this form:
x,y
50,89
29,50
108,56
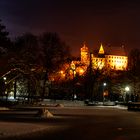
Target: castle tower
x,y
84,54
101,50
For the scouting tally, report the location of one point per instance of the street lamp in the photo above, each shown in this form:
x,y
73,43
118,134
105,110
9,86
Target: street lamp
x,y
127,89
5,90
4,78
104,85
73,68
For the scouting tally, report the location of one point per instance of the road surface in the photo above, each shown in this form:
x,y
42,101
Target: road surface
x,y
84,123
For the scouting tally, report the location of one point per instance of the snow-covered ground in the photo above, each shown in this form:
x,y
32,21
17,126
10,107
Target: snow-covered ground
x,y
9,129
69,103
15,128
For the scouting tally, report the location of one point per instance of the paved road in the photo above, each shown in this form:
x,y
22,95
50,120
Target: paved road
x,y
87,123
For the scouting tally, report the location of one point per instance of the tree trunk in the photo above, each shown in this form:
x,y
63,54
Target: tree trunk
x,y
44,83
29,90
15,88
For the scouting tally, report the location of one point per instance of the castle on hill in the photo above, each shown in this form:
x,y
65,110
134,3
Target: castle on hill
x,y
110,58
114,58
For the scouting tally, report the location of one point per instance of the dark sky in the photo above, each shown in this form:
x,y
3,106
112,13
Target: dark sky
x,y
112,22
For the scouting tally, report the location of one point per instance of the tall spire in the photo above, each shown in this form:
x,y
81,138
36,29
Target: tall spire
x,y
101,50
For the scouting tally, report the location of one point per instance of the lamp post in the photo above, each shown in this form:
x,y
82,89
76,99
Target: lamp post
x,y
4,78
127,96
73,68
104,85
5,86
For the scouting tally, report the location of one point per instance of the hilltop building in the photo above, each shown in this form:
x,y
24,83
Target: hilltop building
x,y
113,58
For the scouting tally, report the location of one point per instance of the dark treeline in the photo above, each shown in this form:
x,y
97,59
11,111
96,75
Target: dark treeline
x,y
28,61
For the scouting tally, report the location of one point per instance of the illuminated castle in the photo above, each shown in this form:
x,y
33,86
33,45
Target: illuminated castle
x,y
113,58
110,58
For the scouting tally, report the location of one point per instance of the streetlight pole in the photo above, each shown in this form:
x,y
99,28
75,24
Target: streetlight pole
x,y
127,96
5,86
104,85
73,68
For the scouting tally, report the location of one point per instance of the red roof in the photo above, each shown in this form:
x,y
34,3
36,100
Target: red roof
x,y
120,51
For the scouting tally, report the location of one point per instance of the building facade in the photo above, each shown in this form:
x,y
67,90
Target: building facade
x,y
110,58
113,58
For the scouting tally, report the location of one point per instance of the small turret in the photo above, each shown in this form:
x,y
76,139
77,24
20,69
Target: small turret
x,y
84,48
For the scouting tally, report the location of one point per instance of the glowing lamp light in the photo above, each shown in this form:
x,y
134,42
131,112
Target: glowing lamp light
x,y
104,84
127,89
61,72
81,71
4,78
105,93
72,66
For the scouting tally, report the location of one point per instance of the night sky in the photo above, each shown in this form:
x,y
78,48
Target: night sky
x,y
112,22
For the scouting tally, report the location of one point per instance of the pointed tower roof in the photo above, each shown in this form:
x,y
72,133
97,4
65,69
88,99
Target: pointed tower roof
x,y
101,50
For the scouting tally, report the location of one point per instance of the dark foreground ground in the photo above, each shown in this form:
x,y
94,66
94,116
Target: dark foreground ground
x,y
82,123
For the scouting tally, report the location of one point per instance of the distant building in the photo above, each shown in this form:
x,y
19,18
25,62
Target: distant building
x,y
110,58
113,58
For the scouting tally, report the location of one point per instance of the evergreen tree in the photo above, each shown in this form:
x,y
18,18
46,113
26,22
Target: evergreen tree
x,y
5,42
